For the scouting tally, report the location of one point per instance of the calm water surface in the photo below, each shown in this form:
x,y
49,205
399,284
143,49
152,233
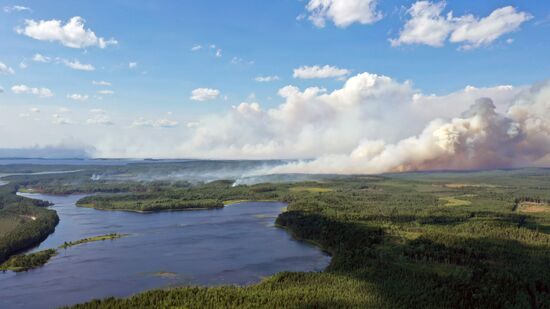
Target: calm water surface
x,y
235,245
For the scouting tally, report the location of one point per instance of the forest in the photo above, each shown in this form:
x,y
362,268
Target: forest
x,y
426,240
24,223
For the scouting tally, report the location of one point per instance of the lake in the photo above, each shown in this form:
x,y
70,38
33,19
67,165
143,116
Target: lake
x,y
238,244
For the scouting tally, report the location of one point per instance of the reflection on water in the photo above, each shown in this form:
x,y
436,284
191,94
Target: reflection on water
x,y
234,245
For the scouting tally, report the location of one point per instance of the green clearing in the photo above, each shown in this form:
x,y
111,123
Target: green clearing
x,y
453,201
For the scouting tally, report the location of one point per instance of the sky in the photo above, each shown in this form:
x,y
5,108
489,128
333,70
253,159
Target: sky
x,y
289,79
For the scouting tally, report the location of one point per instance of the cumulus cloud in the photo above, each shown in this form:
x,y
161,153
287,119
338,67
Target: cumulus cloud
x,y
78,97
196,47
106,92
24,89
71,34
343,12
427,25
5,69
266,79
132,65
204,94
327,71
76,65
474,32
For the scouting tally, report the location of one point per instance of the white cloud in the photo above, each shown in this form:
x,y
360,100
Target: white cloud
x,y
1,89
266,79
5,69
238,60
327,71
24,89
343,12
16,8
160,123
196,47
23,65
428,26
166,123
60,120
41,58
132,65
106,92
101,83
34,110
204,94
218,52
99,119
343,128
192,124
97,111
64,110
474,32
76,65
78,97
72,34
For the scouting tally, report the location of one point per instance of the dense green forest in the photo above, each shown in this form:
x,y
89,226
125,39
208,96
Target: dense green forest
x,y
426,240
24,262
24,223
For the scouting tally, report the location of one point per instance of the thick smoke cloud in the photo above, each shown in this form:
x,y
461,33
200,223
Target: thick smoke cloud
x,y
372,124
479,138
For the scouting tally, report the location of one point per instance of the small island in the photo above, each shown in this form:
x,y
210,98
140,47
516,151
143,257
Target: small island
x,y
92,239
26,262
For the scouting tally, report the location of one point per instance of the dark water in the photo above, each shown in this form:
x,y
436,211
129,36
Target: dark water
x,y
234,245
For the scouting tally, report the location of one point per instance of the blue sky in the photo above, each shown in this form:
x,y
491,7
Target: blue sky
x,y
254,38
